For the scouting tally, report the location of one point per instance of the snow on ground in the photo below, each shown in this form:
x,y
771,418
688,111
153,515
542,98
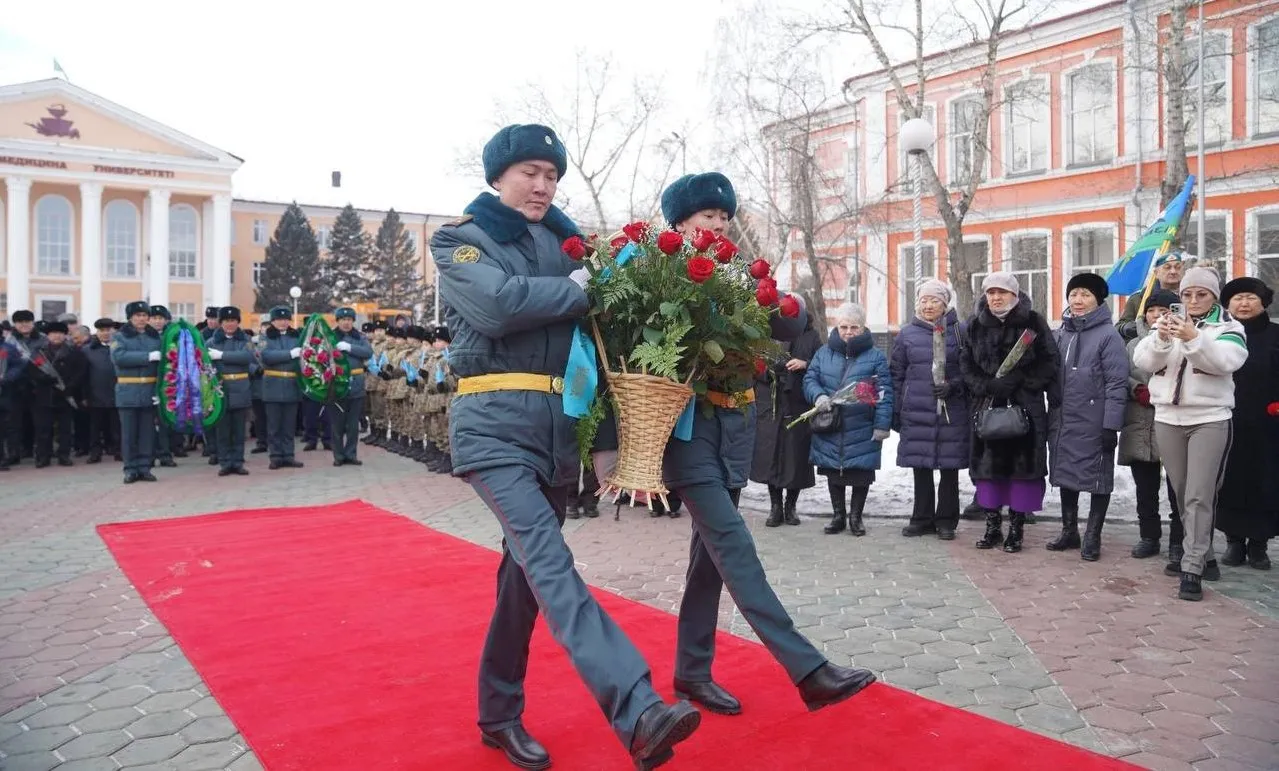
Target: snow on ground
x,y
893,494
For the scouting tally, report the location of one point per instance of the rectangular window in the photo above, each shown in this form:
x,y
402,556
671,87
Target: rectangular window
x,y
184,311
1267,268
906,256
1027,120
1215,239
1027,259
324,237
1267,78
964,116
1092,114
257,274
905,163
1215,76
412,234
184,242
4,305
115,310
1092,251
259,232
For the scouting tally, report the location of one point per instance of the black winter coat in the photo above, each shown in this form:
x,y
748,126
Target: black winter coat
x,y
1036,377
781,454
1248,504
73,368
99,389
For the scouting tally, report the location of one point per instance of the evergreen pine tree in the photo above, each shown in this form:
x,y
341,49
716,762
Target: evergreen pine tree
x,y
292,259
396,282
348,263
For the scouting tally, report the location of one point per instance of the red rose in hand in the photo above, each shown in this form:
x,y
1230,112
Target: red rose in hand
x,y
700,269
766,293
702,239
789,307
865,393
1142,394
725,250
760,269
1272,409
760,367
670,242
574,247
616,245
636,231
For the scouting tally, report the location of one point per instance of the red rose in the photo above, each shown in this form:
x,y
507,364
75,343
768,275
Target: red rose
x,y
616,245
766,293
702,239
760,269
38,361
636,231
327,376
1272,409
340,371
760,367
725,250
173,355
574,247
308,354
172,406
315,341
308,372
789,307
171,377
170,391
670,242
322,357
700,269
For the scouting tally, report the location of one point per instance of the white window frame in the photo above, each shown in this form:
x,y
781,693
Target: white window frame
x,y
71,244
258,267
183,310
1006,242
1252,76
38,308
852,164
905,165
1252,244
174,209
906,254
1192,242
1191,100
115,310
324,236
1068,251
989,241
1068,113
952,173
1007,127
106,241
261,239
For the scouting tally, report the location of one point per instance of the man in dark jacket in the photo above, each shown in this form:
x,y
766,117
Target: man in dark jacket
x,y
73,371
281,390
26,394
232,354
12,368
344,416
104,422
135,351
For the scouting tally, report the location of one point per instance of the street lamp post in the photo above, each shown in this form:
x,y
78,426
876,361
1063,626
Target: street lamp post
x,y
295,293
916,137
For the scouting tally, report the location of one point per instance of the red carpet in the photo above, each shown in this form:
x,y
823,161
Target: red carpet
x,y
346,637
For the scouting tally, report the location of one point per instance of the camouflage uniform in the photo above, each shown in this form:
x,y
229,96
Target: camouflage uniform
x,y
397,392
443,384
375,390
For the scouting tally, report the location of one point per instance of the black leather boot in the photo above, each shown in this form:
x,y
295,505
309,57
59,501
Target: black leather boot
x,y
1146,547
1091,551
775,507
839,509
855,508
1236,552
788,508
1191,588
1257,557
519,747
1069,538
994,531
1016,521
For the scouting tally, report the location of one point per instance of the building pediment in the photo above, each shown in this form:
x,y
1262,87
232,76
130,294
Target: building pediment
x,y
56,116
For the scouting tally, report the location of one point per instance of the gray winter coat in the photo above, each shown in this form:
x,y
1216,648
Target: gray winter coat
x,y
130,352
361,351
1137,440
280,371
1094,391
511,309
233,367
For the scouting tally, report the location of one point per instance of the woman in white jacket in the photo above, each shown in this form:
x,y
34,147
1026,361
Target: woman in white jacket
x,y
1193,357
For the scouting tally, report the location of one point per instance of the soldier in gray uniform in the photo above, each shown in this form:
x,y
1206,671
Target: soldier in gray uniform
x,y
168,443
281,390
135,351
233,355
344,417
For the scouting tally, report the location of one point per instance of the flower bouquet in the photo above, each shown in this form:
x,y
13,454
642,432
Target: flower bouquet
x,y
326,374
671,318
190,391
866,391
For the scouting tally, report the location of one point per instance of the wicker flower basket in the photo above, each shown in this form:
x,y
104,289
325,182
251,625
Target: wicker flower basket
x,y
647,410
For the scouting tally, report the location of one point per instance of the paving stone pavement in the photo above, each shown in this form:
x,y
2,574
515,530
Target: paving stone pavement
x,y
1101,655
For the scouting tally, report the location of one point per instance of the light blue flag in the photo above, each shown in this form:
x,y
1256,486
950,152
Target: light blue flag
x,y
1130,272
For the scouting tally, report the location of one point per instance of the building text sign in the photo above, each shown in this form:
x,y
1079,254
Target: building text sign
x,y
129,171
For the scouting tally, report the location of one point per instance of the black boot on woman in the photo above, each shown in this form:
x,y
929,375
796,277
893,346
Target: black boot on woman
x,y
1257,557
994,530
1016,520
1069,538
788,509
775,506
838,508
1097,506
1236,552
855,507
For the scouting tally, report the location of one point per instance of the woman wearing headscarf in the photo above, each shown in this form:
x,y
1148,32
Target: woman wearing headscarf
x,y
1248,504
1084,431
933,418
1010,472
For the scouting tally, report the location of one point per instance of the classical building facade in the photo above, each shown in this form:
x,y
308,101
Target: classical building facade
x,y
1077,150
101,206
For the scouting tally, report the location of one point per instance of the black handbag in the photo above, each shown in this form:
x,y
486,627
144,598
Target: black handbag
x,y
827,422
993,424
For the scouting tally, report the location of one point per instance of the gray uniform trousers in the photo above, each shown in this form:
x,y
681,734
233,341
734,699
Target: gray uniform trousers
x,y
163,441
344,426
137,438
281,429
537,574
228,447
723,553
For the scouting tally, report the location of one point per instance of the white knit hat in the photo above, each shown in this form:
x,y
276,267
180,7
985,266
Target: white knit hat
x,y
1001,280
1202,278
933,288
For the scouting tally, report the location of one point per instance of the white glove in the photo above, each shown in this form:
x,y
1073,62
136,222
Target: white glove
x,y
580,276
880,434
603,462
823,403
343,346
153,356
296,353
215,354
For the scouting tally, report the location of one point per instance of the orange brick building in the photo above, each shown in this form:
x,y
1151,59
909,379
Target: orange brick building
x,y
1077,151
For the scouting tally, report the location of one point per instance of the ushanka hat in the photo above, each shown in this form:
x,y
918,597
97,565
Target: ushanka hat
x,y
212,312
280,312
523,142
56,326
21,316
103,323
162,312
692,193
229,313
1248,284
441,332
137,307
1095,284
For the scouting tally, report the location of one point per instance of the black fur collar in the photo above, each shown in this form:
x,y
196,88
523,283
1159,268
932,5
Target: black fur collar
x,y
130,331
504,224
221,337
272,333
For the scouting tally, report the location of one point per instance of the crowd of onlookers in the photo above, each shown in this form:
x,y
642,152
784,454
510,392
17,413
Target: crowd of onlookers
x,y
1185,384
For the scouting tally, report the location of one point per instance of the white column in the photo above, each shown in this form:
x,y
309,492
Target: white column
x,y
221,260
18,247
159,289
90,252
207,273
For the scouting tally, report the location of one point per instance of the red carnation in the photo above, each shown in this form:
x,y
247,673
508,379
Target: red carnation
x,y
38,361
670,242
702,239
700,269
725,250
340,371
322,357
574,247
308,354
760,269
308,372
172,406
1272,409
789,306
616,245
173,355
760,367
766,293
171,391
315,341
171,377
327,376
636,231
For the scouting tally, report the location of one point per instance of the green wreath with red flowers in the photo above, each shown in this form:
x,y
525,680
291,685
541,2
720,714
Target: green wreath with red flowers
x,y
325,371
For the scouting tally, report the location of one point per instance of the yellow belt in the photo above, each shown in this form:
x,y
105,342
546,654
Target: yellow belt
x,y
236,376
135,380
730,401
510,381
357,372
279,373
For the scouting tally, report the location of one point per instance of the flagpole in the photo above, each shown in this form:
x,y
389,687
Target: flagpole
x,y
1202,250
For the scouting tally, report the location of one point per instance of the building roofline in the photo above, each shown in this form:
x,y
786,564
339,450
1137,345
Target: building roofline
x,y
259,202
